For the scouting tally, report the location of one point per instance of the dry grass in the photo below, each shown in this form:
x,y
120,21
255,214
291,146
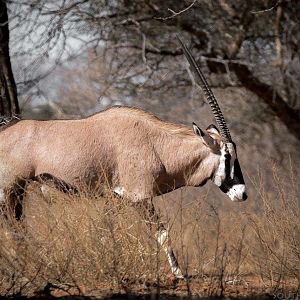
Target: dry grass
x,y
92,245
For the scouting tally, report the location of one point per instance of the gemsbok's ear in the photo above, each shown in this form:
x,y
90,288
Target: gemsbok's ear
x,y
213,129
197,130
207,139
214,132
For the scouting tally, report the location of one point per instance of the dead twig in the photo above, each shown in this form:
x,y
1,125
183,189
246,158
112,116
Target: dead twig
x,y
174,13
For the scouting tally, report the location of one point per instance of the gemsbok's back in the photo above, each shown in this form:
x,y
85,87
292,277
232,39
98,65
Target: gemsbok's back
x,y
133,152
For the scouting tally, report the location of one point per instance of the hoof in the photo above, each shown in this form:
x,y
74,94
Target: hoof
x,y
183,277
187,277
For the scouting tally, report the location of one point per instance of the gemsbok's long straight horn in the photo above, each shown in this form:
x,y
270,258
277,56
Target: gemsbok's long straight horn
x,y
201,80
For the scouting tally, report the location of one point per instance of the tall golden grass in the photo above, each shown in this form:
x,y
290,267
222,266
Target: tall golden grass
x,y
79,244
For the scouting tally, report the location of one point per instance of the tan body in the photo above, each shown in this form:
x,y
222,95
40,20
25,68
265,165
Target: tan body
x,y
137,155
134,153
131,150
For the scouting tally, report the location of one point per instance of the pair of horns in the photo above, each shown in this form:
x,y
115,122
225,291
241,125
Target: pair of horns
x,y
201,80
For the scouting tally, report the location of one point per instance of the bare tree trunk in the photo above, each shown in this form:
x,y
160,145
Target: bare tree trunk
x,y
9,105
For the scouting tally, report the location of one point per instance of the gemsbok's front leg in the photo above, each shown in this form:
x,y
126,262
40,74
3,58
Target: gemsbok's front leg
x,y
147,210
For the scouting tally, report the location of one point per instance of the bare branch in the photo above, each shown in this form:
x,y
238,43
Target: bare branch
x,y
279,2
64,10
232,12
174,13
279,50
270,96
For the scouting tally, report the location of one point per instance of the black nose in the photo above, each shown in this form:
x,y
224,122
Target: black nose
x,y
245,196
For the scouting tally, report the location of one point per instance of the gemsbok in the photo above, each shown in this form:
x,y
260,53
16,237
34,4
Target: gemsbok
x,y
141,156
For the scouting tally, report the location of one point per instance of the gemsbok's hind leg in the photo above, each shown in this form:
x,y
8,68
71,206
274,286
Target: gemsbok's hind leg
x,y
59,184
147,210
11,199
17,198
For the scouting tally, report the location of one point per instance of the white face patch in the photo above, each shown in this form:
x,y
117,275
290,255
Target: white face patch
x,y
232,159
228,175
220,172
236,192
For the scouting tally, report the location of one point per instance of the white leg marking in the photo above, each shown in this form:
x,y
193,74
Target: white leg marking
x,y
164,240
2,196
119,190
45,190
236,192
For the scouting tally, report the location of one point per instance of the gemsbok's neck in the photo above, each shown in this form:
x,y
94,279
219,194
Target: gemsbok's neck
x,y
186,159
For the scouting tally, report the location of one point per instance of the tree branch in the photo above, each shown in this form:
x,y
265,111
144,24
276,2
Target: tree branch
x,y
174,13
270,96
9,105
279,49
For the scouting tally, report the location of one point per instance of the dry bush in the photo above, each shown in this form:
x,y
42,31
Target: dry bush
x,y
80,243
76,241
275,250
211,243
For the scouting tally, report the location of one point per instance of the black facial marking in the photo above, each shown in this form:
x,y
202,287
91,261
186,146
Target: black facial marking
x,y
229,182
238,172
227,165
